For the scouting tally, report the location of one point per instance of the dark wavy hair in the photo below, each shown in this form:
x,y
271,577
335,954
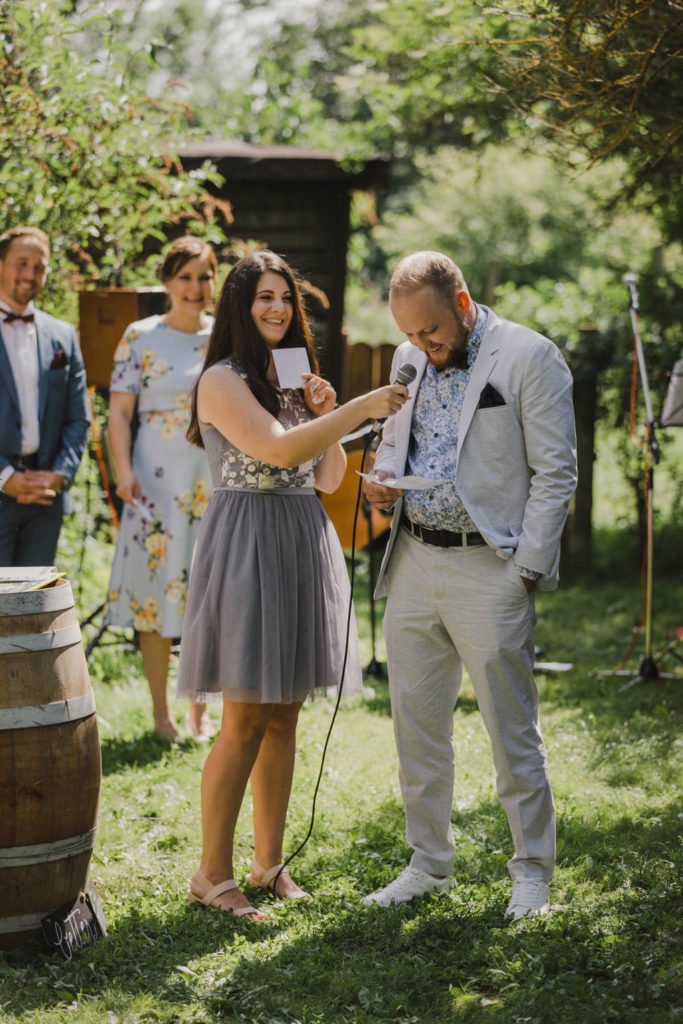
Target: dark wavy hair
x,y
235,333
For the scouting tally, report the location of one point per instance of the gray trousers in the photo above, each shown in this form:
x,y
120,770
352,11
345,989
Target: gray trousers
x,y
448,608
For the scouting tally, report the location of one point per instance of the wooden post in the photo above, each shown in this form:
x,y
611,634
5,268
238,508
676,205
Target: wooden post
x,y
577,543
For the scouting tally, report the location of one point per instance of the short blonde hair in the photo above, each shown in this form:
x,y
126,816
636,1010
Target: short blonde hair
x,y
428,268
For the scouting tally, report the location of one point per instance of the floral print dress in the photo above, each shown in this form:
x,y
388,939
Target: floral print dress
x,y
148,585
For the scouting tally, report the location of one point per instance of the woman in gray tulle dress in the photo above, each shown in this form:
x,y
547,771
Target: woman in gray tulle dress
x,y
265,622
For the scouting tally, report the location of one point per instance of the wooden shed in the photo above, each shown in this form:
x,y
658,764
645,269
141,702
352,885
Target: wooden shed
x,y
296,201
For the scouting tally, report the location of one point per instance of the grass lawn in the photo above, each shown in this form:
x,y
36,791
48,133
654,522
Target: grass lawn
x,y
611,951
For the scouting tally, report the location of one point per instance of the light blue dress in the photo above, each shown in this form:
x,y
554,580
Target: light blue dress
x,y
149,577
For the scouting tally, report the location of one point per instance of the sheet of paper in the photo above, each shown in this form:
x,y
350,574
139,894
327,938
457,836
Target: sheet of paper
x,y
26,572
142,511
405,483
15,580
48,581
290,363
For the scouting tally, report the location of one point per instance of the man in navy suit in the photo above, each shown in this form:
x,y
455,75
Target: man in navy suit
x,y
43,407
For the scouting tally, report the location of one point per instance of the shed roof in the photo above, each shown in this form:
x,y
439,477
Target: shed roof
x,y
282,163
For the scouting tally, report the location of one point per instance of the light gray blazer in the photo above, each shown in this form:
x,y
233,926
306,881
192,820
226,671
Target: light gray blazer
x,y
516,463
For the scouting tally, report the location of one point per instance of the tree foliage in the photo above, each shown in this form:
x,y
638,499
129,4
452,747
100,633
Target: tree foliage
x,y
606,77
536,242
540,246
178,47
381,77
86,155
394,77
601,77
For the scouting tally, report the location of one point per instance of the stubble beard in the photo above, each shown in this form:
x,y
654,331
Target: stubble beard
x,y
22,295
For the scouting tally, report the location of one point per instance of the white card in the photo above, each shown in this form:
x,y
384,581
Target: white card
x,y
405,483
290,363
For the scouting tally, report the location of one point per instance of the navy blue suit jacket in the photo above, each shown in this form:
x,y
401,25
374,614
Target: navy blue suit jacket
x,y
62,400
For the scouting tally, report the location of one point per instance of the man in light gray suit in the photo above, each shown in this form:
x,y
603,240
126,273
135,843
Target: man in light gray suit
x,y
43,406
492,420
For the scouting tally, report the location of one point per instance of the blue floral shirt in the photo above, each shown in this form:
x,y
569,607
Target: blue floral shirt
x,y
434,440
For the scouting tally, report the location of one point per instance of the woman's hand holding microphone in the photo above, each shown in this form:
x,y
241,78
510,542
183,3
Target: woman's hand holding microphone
x,y
321,398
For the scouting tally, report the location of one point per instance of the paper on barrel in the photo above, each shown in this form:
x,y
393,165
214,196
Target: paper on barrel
x,y
18,579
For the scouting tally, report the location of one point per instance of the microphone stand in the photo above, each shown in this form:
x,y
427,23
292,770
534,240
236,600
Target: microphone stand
x,y
648,668
374,667
405,375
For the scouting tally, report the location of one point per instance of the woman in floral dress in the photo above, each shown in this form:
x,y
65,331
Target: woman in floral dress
x,y
165,484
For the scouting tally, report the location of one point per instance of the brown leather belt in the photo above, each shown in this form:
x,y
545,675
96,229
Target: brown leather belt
x,y
442,538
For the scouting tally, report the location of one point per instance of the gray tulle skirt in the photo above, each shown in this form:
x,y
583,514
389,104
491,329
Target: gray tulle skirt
x,y
268,602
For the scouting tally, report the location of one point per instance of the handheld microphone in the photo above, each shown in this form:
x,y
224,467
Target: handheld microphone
x,y
405,374
630,282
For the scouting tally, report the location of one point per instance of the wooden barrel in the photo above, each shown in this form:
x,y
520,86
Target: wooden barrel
x,y
50,765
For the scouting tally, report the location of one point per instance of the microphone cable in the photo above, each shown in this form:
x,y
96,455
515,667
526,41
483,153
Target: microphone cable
x,y
405,374
371,437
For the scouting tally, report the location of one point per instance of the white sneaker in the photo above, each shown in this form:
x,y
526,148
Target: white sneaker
x,y
409,884
529,899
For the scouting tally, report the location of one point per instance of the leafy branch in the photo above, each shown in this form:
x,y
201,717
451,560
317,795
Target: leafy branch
x,y
88,156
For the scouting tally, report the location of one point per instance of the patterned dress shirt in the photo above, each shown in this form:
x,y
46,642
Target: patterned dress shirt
x,y
434,443
434,440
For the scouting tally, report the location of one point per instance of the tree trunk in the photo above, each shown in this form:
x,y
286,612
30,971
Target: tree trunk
x,y
577,543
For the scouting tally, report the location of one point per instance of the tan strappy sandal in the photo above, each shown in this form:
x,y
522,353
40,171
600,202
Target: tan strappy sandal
x,y
268,880
211,894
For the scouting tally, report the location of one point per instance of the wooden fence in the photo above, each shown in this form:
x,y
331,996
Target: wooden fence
x,y
366,367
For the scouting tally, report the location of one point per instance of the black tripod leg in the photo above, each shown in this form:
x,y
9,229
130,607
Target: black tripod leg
x,y
93,615
375,667
95,640
100,631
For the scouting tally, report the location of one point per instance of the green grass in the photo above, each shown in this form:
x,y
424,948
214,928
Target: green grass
x,y
609,952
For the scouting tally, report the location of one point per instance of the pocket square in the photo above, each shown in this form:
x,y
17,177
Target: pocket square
x,y
59,360
490,398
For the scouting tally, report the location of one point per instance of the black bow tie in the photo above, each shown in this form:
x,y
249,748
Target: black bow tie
x,y
27,318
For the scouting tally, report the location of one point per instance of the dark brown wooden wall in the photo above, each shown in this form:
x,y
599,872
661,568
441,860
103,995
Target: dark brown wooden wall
x,y
297,202
308,225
